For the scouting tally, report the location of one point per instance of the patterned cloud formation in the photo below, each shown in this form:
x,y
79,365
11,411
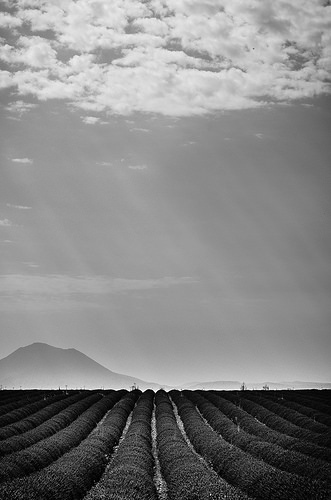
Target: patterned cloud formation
x,y
174,57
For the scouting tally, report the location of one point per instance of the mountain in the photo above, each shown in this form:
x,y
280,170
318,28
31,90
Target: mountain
x,y
43,366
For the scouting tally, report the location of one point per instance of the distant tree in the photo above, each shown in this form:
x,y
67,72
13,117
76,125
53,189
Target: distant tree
x,y
243,387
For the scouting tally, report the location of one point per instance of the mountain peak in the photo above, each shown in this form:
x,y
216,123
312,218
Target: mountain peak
x,y
40,365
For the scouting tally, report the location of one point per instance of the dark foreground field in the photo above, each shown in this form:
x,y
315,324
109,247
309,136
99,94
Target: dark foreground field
x,y
120,445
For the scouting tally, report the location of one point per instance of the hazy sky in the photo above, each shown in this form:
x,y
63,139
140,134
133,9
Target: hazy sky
x,y
165,185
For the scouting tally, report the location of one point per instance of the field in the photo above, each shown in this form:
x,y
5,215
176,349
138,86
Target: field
x,y
176,445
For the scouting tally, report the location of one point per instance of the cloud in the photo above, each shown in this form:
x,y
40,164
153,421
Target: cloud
x,y
140,129
9,21
5,223
175,57
93,120
26,161
6,79
90,120
137,167
63,289
189,143
105,163
33,51
20,107
18,207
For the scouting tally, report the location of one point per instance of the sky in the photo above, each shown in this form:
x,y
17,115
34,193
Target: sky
x,y
165,185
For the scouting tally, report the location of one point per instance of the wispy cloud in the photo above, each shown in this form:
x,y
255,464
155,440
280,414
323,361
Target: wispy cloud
x,y
20,107
26,161
5,223
140,129
45,289
18,207
175,57
105,163
137,167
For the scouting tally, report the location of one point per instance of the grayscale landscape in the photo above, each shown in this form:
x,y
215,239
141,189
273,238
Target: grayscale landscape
x,y
165,249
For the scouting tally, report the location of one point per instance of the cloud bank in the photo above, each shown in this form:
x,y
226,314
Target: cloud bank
x,y
43,291
174,57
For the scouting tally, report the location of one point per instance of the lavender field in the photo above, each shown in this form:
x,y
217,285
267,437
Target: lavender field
x,y
176,445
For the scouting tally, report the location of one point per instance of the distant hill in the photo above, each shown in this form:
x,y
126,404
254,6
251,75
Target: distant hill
x,y
43,366
296,384
220,385
232,385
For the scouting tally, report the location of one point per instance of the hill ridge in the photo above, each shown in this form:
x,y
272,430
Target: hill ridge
x,y
40,365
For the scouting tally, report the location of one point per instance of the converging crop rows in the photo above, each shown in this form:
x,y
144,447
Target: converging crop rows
x,y
176,445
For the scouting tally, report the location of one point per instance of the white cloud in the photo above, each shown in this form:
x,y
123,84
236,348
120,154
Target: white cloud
x,y
105,163
6,79
90,120
189,143
9,21
140,129
26,161
175,57
20,107
137,167
18,207
5,223
33,51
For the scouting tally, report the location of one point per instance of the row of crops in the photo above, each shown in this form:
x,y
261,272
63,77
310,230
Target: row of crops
x,y
176,445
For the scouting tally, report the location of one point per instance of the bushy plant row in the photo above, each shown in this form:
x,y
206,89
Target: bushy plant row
x,y
130,472
319,399
272,454
72,475
51,426
315,409
187,476
252,425
303,427
276,429
51,407
48,450
22,408
255,477
12,399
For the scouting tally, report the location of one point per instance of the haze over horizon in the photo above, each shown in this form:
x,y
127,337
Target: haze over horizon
x,y
165,185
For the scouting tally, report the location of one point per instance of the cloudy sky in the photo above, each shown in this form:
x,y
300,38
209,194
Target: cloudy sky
x,y
165,185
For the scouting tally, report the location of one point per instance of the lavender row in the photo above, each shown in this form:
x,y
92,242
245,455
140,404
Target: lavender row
x,y
271,453
258,479
130,472
74,473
